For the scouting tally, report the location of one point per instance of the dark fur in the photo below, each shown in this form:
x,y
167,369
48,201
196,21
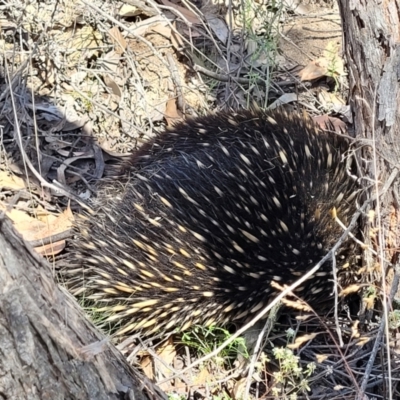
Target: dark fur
x,y
247,200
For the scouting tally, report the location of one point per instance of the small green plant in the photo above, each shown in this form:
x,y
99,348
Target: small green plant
x,y
291,378
260,27
262,360
205,339
85,102
98,316
335,69
175,396
370,291
394,319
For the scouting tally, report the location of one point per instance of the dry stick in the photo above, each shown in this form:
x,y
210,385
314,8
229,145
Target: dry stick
x,y
12,82
139,88
27,162
381,258
267,326
336,310
384,325
377,343
166,365
285,292
56,186
177,82
229,44
395,283
51,239
223,53
242,81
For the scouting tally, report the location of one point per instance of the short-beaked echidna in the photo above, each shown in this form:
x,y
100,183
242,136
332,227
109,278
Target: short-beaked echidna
x,y
214,209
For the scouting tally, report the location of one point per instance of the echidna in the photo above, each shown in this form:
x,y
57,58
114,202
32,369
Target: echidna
x,y
213,210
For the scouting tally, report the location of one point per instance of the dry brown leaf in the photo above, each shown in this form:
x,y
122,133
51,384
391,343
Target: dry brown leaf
x,y
51,249
43,215
189,15
326,122
61,224
218,26
321,358
137,7
284,99
146,364
142,27
167,354
167,351
302,339
314,70
369,302
355,333
172,114
350,289
163,30
116,90
129,11
26,225
176,40
363,340
9,181
31,228
110,62
118,40
204,377
330,64
297,305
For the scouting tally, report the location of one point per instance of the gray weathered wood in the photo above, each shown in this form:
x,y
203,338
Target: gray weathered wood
x,y
371,42
44,336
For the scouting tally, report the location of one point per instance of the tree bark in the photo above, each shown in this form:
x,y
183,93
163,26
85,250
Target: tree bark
x,y
48,348
371,43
